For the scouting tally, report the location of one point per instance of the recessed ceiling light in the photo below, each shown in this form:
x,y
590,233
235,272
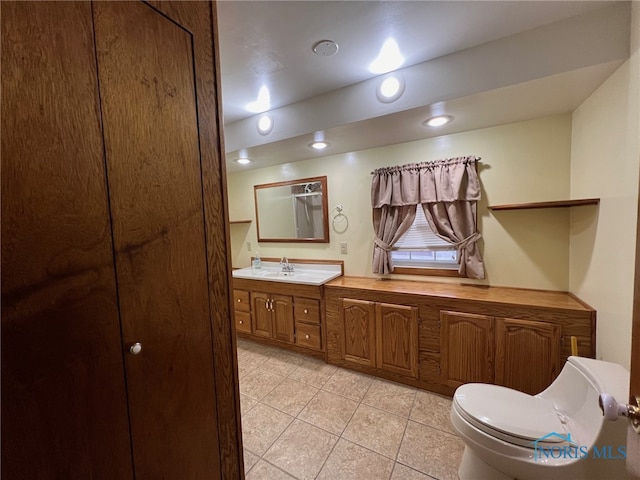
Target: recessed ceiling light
x,y
390,89
262,103
243,158
325,48
319,145
265,124
388,59
438,121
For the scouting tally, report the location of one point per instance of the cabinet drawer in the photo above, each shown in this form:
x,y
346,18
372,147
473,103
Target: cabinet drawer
x,y
241,300
243,322
307,310
308,335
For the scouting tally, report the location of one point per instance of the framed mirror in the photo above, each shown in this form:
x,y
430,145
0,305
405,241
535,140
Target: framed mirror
x,y
292,211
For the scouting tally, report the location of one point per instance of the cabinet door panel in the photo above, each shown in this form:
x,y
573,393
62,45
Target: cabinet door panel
x,y
154,178
282,316
358,320
243,322
397,338
64,411
262,326
527,354
467,348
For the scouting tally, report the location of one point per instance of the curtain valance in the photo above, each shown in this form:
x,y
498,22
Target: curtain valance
x,y
446,180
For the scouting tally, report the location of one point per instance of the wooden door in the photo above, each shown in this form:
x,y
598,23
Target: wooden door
x,y
527,354
282,317
467,348
155,191
397,338
262,324
64,410
358,336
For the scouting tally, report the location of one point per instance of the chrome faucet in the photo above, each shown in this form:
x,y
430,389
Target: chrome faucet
x,y
286,266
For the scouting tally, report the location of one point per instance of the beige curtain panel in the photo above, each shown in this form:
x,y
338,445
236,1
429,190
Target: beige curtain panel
x,y
448,191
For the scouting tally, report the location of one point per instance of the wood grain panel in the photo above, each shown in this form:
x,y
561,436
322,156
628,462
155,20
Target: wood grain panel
x,y
262,324
243,321
64,411
397,338
306,310
467,348
308,335
282,317
200,18
241,301
479,294
358,331
527,354
154,172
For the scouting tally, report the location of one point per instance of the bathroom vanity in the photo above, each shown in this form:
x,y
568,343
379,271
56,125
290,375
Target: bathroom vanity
x,y
285,308
435,336
438,336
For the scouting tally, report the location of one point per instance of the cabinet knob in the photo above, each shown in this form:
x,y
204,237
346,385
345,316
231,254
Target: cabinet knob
x,y
135,349
306,311
307,337
240,322
239,300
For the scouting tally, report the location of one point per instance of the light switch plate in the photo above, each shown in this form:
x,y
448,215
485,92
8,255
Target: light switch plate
x,y
343,248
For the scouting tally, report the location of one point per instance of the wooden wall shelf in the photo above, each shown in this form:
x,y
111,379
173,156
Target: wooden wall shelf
x,y
554,204
236,222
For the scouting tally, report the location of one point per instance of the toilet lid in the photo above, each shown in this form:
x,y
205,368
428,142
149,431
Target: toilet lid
x,y
509,414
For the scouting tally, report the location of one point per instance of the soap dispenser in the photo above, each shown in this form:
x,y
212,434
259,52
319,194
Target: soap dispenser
x,y
257,263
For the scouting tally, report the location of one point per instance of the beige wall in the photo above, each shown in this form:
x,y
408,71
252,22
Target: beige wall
x,y
605,159
521,162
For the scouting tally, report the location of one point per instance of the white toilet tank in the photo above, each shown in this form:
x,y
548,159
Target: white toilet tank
x,y
575,394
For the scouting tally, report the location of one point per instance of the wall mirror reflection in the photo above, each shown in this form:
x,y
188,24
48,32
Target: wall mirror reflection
x,y
292,211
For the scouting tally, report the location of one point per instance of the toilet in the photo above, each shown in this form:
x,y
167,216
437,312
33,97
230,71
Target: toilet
x,y
560,433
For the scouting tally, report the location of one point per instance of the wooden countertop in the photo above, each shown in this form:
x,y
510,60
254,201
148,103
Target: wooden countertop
x,y
481,293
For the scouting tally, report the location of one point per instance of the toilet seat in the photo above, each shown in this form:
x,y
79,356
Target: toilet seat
x,y
510,415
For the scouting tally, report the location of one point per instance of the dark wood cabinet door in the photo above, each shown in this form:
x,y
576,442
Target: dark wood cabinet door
x,y
358,336
527,354
397,338
467,348
262,324
155,192
282,316
64,410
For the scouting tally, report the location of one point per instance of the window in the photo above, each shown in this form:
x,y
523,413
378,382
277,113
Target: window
x,y
420,251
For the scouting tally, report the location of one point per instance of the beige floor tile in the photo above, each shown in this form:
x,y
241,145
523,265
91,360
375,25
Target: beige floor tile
x,y
250,459
314,372
376,430
329,411
261,426
259,383
433,410
390,396
265,471
431,451
246,404
283,362
402,472
248,361
349,461
301,450
348,384
290,396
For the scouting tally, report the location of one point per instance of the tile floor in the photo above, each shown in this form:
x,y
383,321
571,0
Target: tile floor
x,y
304,419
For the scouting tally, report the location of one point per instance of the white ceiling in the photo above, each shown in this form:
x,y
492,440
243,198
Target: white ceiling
x,y
485,63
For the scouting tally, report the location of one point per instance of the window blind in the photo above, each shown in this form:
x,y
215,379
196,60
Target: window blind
x,y
420,236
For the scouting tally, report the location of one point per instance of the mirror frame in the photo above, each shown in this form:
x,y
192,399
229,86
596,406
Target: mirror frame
x,y
325,210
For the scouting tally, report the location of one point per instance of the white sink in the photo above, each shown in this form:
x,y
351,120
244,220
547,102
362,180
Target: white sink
x,y
307,274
